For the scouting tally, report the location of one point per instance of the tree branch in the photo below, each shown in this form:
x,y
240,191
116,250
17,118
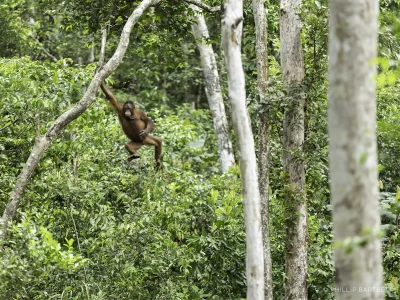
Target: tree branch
x,y
103,47
44,50
204,6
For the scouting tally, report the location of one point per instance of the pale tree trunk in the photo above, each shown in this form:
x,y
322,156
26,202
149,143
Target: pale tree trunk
x,y
103,47
232,23
213,89
43,142
90,58
353,154
260,20
293,137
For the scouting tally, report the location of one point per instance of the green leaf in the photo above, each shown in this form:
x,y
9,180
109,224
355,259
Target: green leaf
x,y
396,199
199,143
363,158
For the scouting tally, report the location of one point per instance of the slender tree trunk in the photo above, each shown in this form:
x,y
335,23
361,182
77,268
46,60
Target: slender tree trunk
x,y
232,23
260,19
90,58
293,138
102,56
43,142
213,90
353,154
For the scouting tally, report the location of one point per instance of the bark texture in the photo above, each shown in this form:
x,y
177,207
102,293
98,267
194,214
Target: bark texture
x,y
232,22
260,20
293,138
43,142
353,151
213,90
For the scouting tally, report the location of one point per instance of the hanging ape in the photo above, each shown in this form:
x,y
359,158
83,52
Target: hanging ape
x,y
136,125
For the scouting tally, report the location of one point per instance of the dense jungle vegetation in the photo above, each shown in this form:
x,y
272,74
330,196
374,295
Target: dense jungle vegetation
x,y
89,226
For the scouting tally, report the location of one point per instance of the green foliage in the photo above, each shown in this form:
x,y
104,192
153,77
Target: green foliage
x,y
388,134
34,94
36,259
90,227
321,267
15,31
390,212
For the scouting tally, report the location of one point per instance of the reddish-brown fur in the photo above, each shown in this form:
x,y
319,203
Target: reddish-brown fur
x,y
136,125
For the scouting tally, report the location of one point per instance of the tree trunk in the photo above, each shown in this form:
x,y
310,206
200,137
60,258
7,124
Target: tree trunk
x,y
43,142
260,20
232,23
90,58
353,154
213,90
293,137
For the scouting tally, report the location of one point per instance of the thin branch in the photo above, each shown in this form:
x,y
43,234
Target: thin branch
x,y
8,125
44,50
103,47
204,6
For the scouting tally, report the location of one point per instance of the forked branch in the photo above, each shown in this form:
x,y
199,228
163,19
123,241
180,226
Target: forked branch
x,y
204,6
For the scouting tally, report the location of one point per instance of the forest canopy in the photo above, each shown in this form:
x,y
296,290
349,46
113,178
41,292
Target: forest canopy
x,y
85,225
